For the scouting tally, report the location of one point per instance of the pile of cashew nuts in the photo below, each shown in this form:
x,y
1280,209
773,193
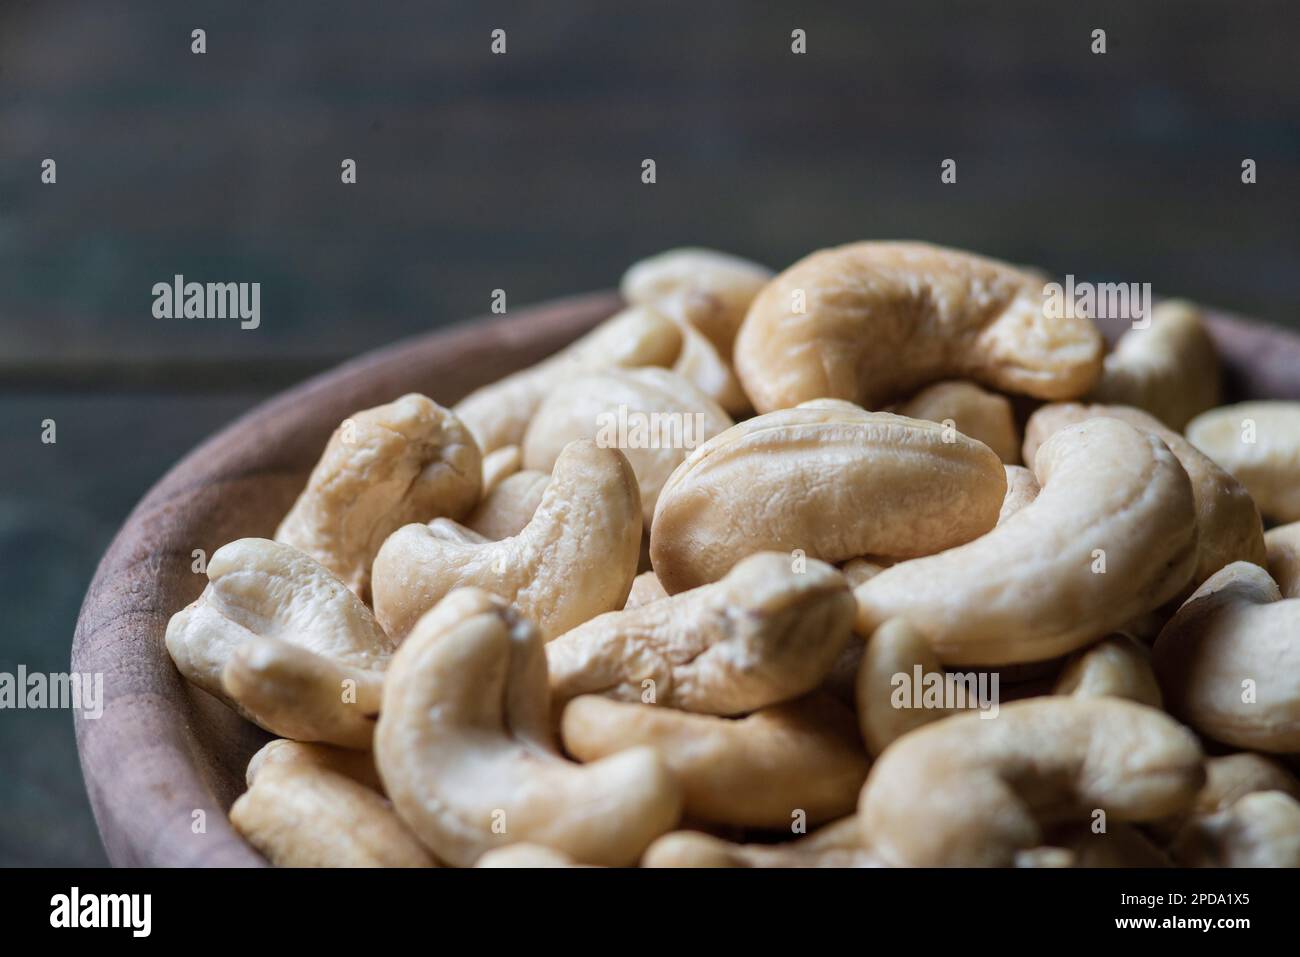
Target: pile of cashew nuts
x,y
490,636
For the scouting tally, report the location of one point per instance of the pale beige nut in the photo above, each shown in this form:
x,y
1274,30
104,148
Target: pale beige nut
x,y
645,589
874,321
1259,443
282,639
896,660
574,560
652,416
838,844
1022,488
828,480
1228,526
965,792
408,461
499,465
858,570
308,816
759,771
1032,588
765,633
1169,369
983,416
1282,545
498,414
1228,778
700,364
465,749
713,290
1115,667
1229,661
357,765
1261,829
526,855
508,508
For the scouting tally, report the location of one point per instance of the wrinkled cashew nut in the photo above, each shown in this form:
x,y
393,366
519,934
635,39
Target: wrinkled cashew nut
x,y
965,792
1033,588
407,461
874,321
280,638
574,560
761,635
757,771
827,479
466,753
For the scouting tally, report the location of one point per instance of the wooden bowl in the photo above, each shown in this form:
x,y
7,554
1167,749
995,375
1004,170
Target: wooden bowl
x,y
165,761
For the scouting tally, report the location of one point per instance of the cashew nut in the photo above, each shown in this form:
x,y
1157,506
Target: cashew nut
x,y
498,466
574,560
1283,555
873,321
1022,488
834,845
1228,527
969,793
1259,443
1261,829
762,634
984,416
1115,667
1110,536
1169,369
652,416
357,765
465,750
757,771
830,480
279,637
1229,662
645,589
407,461
498,414
508,508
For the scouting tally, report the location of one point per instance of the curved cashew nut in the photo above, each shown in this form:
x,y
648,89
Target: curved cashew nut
x,y
652,416
302,815
872,321
1261,829
1032,588
498,414
1169,369
1259,443
762,634
758,771
498,466
1043,761
508,508
1228,527
1229,662
829,479
834,845
575,559
279,637
981,415
357,765
407,461
1282,545
465,750
1022,488
1115,667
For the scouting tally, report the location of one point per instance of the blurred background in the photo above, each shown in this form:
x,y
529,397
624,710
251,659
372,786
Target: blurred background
x,y
523,172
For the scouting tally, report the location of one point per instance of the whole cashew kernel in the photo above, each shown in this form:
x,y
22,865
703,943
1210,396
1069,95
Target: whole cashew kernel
x,y
465,750
652,416
1022,488
498,414
1228,526
834,845
983,416
827,479
1041,762
1261,829
308,816
873,321
1282,545
1229,662
508,508
758,771
1110,536
1259,443
278,636
574,560
408,461
762,634
1115,667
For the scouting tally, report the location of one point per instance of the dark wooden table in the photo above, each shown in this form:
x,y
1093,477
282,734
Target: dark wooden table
x,y
522,172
